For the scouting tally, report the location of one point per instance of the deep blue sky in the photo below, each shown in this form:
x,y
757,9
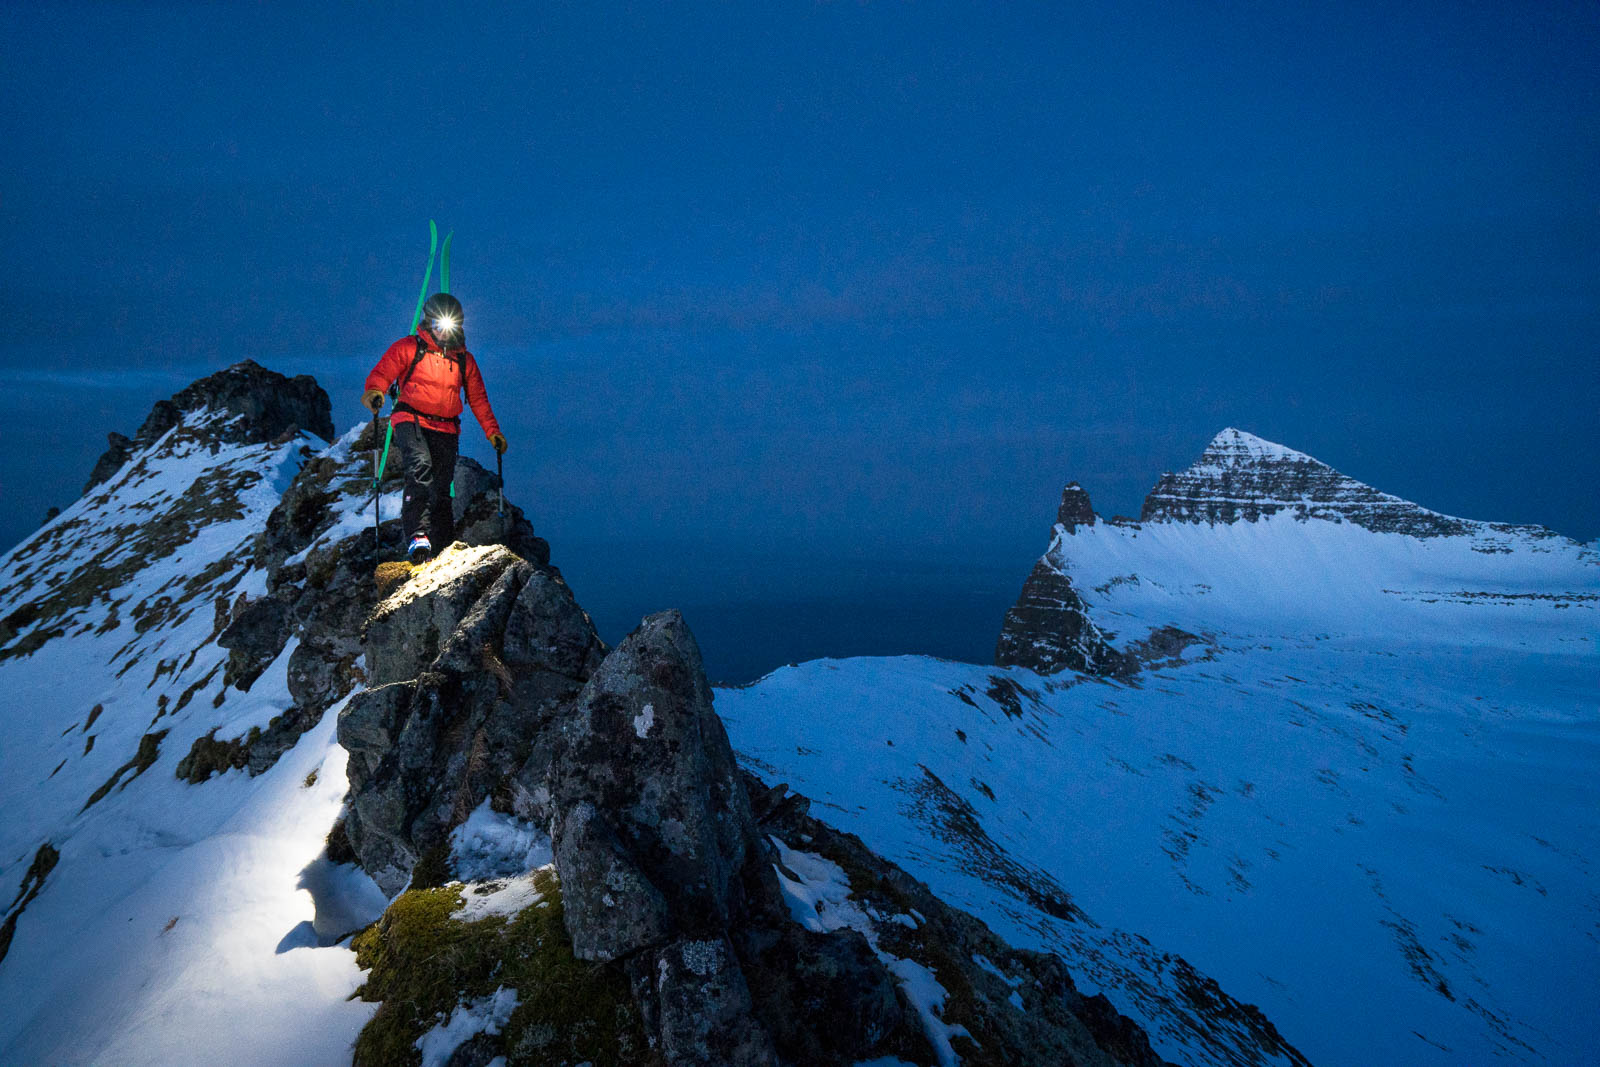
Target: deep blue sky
x,y
847,282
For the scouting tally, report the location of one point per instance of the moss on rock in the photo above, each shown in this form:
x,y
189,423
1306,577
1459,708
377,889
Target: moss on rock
x,y
391,576
422,964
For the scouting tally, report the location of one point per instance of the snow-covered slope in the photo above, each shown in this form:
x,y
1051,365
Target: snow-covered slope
x,y
174,922
1256,540
1350,772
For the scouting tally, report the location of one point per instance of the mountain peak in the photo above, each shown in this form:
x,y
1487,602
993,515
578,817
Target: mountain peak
x,y
248,403
1240,476
1235,445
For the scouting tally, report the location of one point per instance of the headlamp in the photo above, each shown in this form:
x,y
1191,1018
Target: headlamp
x,y
445,325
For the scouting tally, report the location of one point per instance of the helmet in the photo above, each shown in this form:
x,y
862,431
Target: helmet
x,y
444,319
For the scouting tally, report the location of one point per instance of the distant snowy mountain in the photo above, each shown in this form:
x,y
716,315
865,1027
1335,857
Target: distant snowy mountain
x,y
1257,539
1334,749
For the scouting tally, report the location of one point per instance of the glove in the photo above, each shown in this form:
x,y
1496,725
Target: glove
x,y
372,400
498,441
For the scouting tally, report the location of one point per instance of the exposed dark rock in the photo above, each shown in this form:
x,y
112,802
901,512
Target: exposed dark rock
x,y
261,404
1242,478
257,405
1020,1007
467,665
254,753
1048,630
148,752
254,637
1075,510
695,1003
164,415
487,681
118,449
825,998
643,752
657,848
44,861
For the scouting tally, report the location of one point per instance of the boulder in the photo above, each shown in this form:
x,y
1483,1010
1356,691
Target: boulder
x,y
468,664
644,751
254,637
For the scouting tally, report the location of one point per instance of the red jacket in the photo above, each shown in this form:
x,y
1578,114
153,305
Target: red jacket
x,y
434,388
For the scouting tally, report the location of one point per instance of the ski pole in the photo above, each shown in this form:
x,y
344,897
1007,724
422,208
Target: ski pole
x,y
377,492
383,464
500,472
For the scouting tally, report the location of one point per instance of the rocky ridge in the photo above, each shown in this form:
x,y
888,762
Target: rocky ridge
x,y
261,405
681,911
226,534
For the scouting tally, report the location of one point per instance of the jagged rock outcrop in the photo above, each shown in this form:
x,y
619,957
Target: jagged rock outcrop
x,y
1075,509
320,588
259,405
142,508
118,448
263,404
644,780
488,682
468,665
1048,628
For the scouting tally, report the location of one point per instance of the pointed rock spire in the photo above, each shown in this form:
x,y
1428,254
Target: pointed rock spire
x,y
1075,510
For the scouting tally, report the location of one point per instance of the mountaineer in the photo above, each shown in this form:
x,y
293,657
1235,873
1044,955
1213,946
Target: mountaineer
x,y
426,372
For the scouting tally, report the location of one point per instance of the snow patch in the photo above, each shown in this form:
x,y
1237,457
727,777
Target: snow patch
x,y
489,845
819,899
928,997
506,897
481,1015
644,720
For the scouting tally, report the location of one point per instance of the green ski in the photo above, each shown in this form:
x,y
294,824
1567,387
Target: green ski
x,y
433,246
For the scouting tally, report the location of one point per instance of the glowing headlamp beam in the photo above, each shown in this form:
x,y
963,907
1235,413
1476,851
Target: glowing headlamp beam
x,y
445,324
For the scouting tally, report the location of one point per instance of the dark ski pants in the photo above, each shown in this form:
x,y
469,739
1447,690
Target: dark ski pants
x,y
429,459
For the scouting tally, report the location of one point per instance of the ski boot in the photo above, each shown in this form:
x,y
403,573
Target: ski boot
x,y
420,550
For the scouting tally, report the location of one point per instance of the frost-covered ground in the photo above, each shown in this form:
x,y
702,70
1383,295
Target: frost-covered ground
x,y
1370,805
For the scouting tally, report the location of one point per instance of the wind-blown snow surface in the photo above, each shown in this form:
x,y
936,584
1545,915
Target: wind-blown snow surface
x,y
1368,804
183,923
